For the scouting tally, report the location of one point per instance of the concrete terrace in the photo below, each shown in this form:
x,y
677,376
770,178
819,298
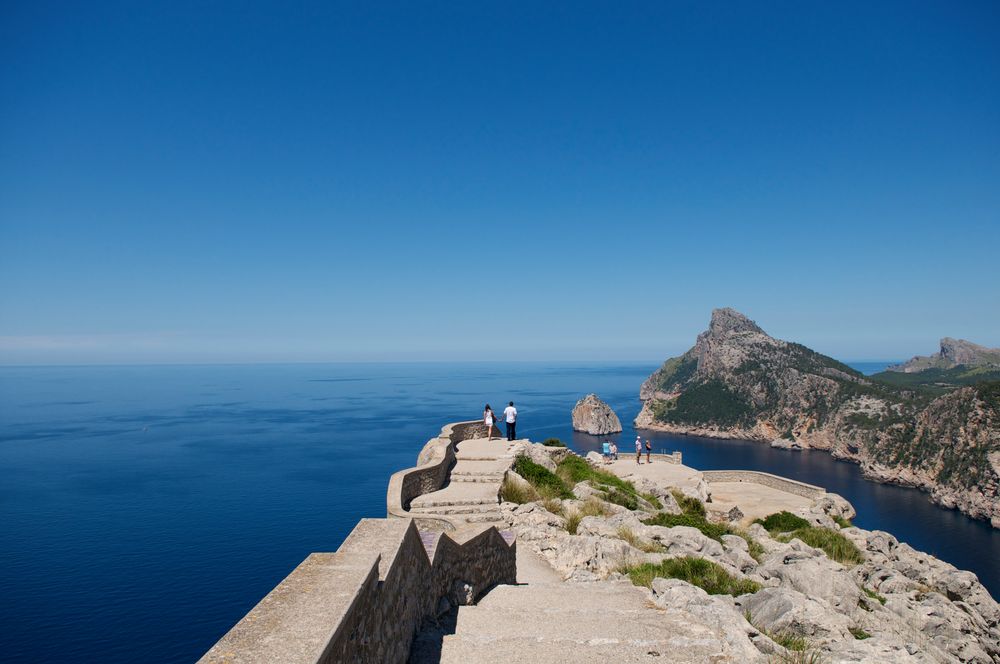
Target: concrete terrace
x,y
756,501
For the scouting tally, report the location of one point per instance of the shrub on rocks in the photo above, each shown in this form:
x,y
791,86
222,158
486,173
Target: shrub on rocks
x,y
590,507
573,469
782,522
512,491
835,545
553,442
627,535
689,504
707,528
547,483
705,574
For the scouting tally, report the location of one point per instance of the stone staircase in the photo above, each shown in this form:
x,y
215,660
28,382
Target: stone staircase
x,y
472,492
575,622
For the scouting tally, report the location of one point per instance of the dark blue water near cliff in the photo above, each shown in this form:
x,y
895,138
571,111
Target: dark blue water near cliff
x,y
144,510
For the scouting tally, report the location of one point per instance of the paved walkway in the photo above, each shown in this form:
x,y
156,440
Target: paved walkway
x,y
473,489
584,623
660,471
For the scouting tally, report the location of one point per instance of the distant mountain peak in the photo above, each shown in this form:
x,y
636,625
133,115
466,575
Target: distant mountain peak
x,y
728,321
953,353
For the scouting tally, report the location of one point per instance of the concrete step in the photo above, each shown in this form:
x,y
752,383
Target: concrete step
x,y
479,456
467,467
680,649
544,596
454,502
457,509
458,493
484,479
580,624
486,517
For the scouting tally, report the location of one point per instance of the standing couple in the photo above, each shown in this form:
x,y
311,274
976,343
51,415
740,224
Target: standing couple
x,y
509,414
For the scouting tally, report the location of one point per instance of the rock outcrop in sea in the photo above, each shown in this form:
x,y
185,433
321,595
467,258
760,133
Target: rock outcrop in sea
x,y
739,382
591,415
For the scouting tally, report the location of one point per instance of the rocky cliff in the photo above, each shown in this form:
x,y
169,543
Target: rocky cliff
x,y
739,382
591,415
953,353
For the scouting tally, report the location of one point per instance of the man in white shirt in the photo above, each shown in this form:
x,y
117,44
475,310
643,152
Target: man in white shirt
x,y
510,414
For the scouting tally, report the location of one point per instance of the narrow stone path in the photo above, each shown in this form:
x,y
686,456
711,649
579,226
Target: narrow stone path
x,y
472,493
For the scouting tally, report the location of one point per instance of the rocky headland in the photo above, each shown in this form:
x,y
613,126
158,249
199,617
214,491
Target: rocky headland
x,y
802,586
591,415
942,436
953,353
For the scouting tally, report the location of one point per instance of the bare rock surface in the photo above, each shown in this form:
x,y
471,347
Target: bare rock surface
x,y
897,605
591,415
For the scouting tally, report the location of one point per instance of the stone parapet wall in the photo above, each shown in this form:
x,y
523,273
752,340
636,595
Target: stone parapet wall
x,y
765,479
430,474
365,602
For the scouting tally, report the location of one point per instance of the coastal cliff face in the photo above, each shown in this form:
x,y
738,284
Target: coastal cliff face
x,y
739,382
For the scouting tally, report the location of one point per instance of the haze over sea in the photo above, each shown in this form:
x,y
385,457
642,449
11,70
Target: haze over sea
x,y
145,509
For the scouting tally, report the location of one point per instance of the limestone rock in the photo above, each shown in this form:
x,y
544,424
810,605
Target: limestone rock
x,y
790,611
809,571
591,415
917,609
537,453
718,611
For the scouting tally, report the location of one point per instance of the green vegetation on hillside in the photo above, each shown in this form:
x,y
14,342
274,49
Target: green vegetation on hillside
x,y
676,371
938,381
574,469
782,522
547,483
705,574
859,633
833,543
694,517
689,504
874,595
570,471
710,402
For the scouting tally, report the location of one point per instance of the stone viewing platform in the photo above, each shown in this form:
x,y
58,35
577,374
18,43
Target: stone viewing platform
x,y
500,552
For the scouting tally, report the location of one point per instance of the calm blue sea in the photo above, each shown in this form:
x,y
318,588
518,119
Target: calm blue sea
x,y
144,510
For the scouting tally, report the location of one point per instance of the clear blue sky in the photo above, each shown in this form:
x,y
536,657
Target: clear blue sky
x,y
208,181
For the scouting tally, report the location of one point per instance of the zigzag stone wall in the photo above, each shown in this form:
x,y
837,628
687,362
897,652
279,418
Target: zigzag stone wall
x,y
365,602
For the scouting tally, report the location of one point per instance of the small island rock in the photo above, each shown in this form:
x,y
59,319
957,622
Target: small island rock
x,y
593,416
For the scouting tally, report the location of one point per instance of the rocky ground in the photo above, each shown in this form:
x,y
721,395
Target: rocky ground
x,y
895,605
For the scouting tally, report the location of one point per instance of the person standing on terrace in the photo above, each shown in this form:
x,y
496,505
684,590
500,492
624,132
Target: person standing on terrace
x,y
488,419
510,414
